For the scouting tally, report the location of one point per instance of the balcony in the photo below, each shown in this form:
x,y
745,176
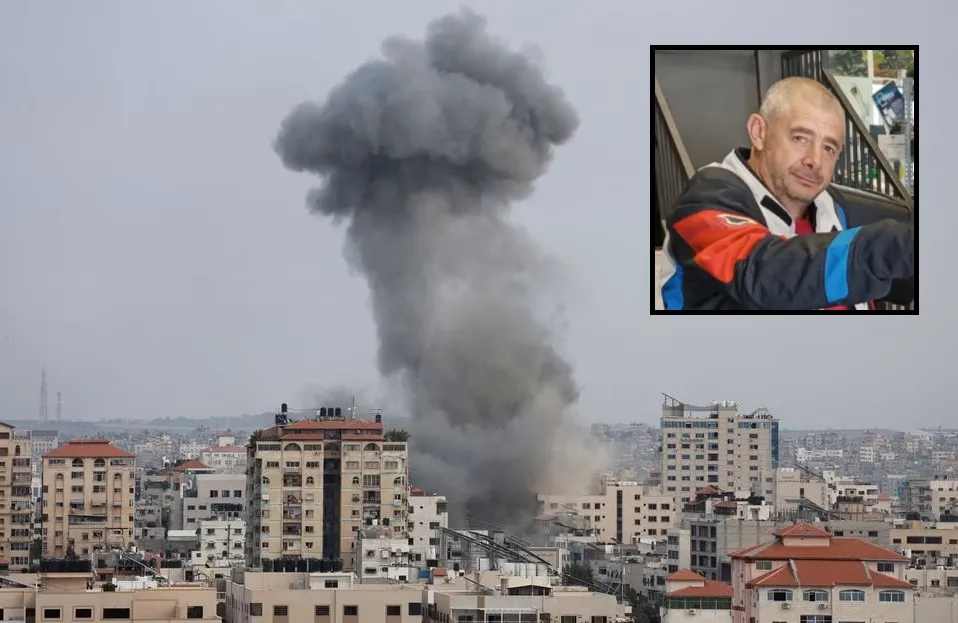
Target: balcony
x,y
292,500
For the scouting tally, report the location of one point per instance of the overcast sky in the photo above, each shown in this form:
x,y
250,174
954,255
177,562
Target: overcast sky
x,y
158,259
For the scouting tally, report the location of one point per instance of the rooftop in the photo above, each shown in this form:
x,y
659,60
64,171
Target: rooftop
x,y
88,448
808,542
827,573
189,466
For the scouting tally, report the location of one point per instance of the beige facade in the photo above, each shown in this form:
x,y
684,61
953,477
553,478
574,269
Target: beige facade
x,y
931,541
715,446
644,512
65,598
88,498
254,597
16,502
780,487
314,484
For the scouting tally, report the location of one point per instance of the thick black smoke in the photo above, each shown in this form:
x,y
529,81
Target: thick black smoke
x,y
421,153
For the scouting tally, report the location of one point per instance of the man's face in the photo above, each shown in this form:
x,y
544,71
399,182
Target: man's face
x,y
800,151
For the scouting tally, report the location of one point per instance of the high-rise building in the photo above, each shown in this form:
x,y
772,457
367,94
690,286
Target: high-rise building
x,y
16,502
88,494
715,445
313,484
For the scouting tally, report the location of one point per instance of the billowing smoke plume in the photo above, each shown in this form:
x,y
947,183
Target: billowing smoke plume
x,y
421,153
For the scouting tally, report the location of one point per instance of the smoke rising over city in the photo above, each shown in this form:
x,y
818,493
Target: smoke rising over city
x,y
421,153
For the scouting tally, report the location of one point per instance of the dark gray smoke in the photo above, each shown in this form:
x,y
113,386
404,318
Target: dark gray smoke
x,y
421,153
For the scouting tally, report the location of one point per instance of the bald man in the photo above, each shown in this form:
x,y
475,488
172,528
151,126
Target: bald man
x,y
762,230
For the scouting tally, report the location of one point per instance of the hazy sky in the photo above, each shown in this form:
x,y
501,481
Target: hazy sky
x,y
158,259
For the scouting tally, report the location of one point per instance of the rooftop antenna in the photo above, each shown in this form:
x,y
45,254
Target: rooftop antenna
x,y
43,397
59,407
352,408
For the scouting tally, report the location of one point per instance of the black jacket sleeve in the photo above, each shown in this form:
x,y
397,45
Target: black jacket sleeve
x,y
721,244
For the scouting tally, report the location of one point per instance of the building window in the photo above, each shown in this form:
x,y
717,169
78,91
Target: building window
x,y
83,613
415,608
816,595
332,583
350,611
116,613
779,594
280,611
194,612
886,567
256,609
895,596
321,611
816,618
763,565
51,614
851,594
393,611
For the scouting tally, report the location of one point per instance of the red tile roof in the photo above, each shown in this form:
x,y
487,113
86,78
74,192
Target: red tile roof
x,y
839,548
708,490
826,573
802,529
88,449
685,575
189,466
709,589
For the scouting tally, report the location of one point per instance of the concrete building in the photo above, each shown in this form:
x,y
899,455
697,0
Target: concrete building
x,y
622,510
16,501
715,445
88,494
690,598
807,574
314,484
781,487
222,543
340,598
935,543
212,496
382,555
226,459
678,553
157,499
67,598
931,498
428,515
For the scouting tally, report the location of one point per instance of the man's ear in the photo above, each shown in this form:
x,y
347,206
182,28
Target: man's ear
x,y
757,129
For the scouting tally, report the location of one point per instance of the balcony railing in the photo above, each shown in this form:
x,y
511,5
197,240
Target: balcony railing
x,y
672,166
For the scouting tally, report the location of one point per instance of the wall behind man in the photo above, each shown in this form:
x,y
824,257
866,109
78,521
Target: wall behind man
x,y
711,93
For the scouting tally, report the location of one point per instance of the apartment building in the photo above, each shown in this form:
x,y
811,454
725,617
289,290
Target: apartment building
x,y
807,574
67,598
937,543
622,510
785,487
157,499
931,498
690,598
715,445
428,516
213,496
88,495
228,459
16,502
341,598
222,543
313,484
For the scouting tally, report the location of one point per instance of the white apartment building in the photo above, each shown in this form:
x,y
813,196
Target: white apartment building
x,y
866,454
380,554
783,486
428,515
623,511
804,455
715,445
221,543
192,449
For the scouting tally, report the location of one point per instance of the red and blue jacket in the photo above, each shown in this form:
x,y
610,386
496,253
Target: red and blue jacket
x,y
731,246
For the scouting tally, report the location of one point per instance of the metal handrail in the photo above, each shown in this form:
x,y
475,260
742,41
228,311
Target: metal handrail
x,y
861,154
672,166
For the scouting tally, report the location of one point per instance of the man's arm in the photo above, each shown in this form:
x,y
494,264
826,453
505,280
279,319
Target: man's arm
x,y
762,271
